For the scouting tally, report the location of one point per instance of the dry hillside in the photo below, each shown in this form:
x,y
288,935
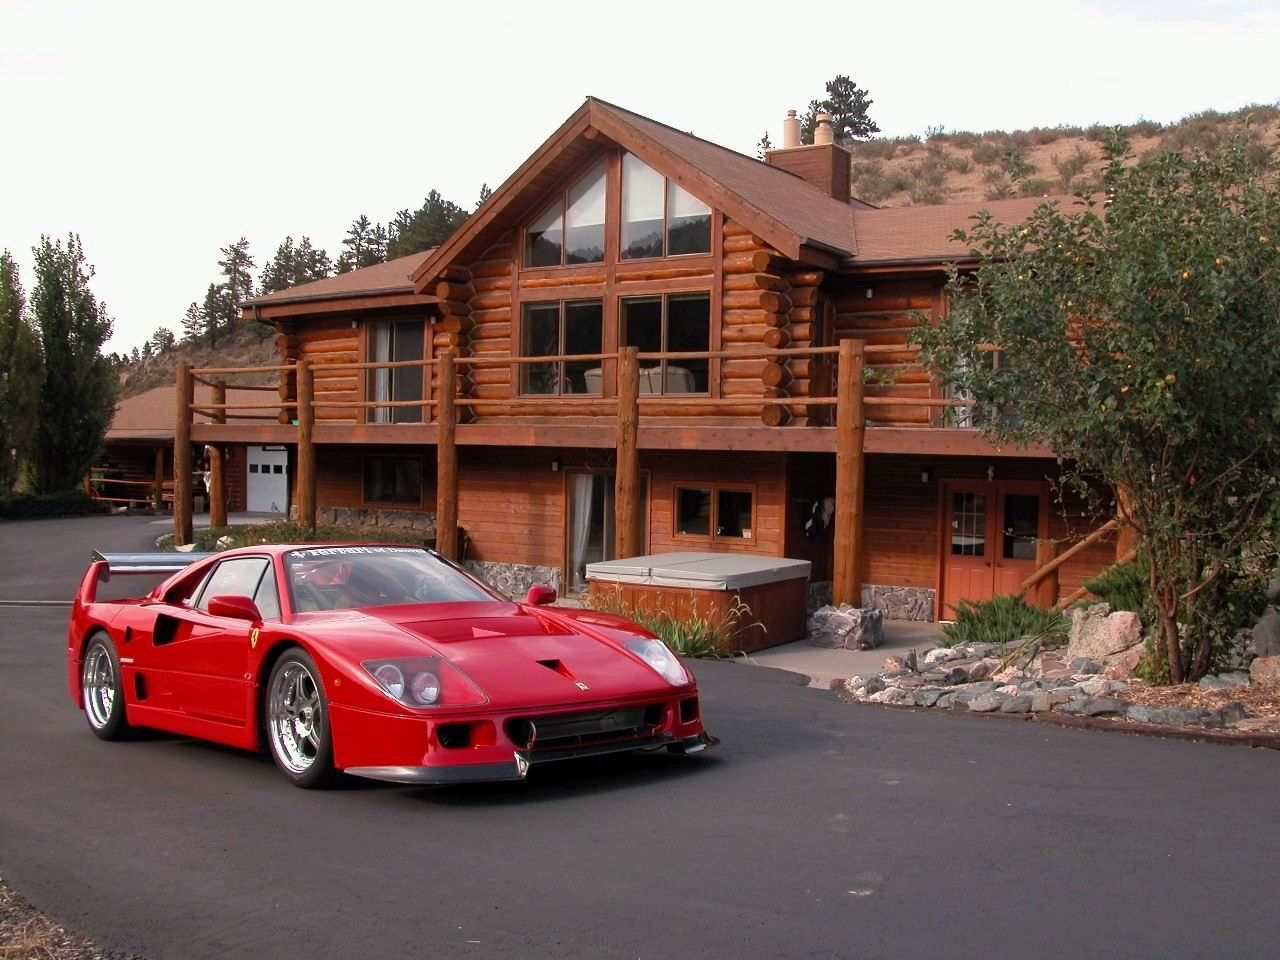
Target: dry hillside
x,y
950,167
249,345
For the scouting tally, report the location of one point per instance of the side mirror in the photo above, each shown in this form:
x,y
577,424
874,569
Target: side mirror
x,y
235,608
540,594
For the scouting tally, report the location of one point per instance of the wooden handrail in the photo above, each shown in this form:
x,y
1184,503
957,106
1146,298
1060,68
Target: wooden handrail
x,y
1083,592
223,371
1066,555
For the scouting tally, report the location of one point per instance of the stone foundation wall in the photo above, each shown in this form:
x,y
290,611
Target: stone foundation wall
x,y
896,603
371,517
514,579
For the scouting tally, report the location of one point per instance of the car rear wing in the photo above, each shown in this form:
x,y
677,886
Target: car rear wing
x,y
103,565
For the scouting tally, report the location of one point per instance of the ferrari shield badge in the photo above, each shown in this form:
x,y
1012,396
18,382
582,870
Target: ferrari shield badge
x,y
253,638
582,686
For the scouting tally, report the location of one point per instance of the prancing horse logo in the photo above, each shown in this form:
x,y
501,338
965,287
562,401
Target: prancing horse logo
x,y
582,686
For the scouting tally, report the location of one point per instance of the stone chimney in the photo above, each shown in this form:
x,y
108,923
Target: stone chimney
x,y
823,163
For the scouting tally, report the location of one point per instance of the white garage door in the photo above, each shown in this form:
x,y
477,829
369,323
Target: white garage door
x,y
268,490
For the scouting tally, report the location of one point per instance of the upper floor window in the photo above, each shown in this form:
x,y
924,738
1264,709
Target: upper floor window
x,y
675,323
561,328
571,230
659,218
389,341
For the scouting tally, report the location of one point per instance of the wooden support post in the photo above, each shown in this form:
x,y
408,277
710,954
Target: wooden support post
x,y
157,482
1046,591
447,456
182,458
306,449
628,510
217,487
846,586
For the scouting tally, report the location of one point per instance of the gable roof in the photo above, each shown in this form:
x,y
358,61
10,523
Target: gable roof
x,y
394,276
923,234
153,414
776,205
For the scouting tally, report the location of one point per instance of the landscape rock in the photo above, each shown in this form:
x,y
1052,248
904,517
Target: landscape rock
x,y
225,542
1040,702
983,668
928,696
185,548
899,603
1105,707
1262,670
1273,591
894,663
938,655
1124,665
1229,713
862,686
1266,634
1098,632
1224,681
1086,665
986,702
846,627
890,695
1017,704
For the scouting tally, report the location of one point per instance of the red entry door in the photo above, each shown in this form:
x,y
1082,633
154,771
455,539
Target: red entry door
x,y
990,543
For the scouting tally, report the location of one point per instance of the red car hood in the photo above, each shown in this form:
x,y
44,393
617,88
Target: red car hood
x,y
521,657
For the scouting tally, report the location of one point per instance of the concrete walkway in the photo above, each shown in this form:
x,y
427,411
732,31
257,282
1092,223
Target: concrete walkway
x,y
822,665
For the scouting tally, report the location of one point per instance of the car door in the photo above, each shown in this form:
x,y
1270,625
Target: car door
x,y
205,657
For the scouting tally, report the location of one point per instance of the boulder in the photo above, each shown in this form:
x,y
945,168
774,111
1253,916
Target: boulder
x,y
890,695
1265,670
1124,665
983,668
1105,707
1266,634
939,655
1040,702
1019,704
1224,681
1085,665
1228,714
928,696
864,686
986,702
1097,632
846,627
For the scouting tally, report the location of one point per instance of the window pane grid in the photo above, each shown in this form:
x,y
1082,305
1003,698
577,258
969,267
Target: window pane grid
x,y
721,513
560,328
968,524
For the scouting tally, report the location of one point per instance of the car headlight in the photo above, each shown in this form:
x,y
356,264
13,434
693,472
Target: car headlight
x,y
424,682
655,654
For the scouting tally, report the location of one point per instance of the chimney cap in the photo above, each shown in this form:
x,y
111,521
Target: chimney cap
x,y
823,133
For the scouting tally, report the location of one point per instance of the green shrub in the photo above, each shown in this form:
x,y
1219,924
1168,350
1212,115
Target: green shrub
x,y
986,153
1000,620
692,636
1125,586
37,506
1035,187
963,139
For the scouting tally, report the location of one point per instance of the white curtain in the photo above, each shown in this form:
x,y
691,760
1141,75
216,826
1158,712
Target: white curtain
x,y
580,511
380,380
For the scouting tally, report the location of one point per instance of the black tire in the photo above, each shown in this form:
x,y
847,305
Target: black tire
x,y
295,720
102,688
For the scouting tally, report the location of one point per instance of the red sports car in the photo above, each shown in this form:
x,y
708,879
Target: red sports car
x,y
387,662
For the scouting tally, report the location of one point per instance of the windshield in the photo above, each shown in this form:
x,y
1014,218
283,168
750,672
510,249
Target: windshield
x,y
341,578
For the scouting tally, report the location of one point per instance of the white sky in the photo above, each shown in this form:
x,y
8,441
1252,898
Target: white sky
x,y
161,131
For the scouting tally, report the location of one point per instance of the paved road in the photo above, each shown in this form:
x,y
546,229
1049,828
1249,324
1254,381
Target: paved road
x,y
817,829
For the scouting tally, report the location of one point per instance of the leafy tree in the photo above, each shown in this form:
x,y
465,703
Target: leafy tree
x,y
295,265
847,104
77,395
366,244
193,322
1138,341
19,375
163,339
428,226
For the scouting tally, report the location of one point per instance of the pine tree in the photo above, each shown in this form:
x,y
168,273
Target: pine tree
x,y
77,395
217,311
847,105
294,265
19,375
312,263
485,194
428,226
366,244
763,146
163,339
193,323
237,285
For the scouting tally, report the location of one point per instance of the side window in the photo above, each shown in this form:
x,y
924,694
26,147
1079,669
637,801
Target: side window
x,y
267,599
233,578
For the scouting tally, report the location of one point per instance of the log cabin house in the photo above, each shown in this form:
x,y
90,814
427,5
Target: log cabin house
x,y
644,342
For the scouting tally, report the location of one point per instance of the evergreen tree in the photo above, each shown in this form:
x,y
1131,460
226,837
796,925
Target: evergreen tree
x,y
294,265
485,194
193,323
237,284
77,396
847,104
763,146
163,339
366,244
19,375
428,226
217,311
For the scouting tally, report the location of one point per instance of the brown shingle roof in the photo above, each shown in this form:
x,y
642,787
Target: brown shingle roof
x,y
390,277
153,414
785,197
898,234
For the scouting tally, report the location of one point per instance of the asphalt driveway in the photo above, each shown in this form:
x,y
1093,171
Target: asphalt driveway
x,y
817,829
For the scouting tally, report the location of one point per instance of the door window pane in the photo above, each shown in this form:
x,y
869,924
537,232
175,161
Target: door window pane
x,y
267,599
688,222
1021,526
693,511
391,341
543,239
688,331
393,480
584,219
539,337
642,206
233,578
733,513
968,524
583,329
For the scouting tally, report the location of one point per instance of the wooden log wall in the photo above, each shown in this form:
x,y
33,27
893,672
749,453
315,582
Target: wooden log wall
x,y
323,345
476,320
883,312
756,312
289,346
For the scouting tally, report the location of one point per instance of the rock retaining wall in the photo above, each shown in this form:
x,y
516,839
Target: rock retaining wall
x,y
514,579
376,517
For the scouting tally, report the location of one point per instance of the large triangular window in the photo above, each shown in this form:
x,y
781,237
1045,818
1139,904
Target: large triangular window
x,y
659,217
571,230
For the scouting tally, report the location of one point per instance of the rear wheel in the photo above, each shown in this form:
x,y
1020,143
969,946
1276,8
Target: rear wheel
x,y
297,721
102,688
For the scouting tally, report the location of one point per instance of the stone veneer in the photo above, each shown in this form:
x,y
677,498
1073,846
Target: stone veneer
x,y
514,579
896,603
374,517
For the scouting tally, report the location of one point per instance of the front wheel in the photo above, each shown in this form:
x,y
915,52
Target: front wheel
x,y
102,689
297,721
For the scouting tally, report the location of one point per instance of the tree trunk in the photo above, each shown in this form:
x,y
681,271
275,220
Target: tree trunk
x,y
1173,650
